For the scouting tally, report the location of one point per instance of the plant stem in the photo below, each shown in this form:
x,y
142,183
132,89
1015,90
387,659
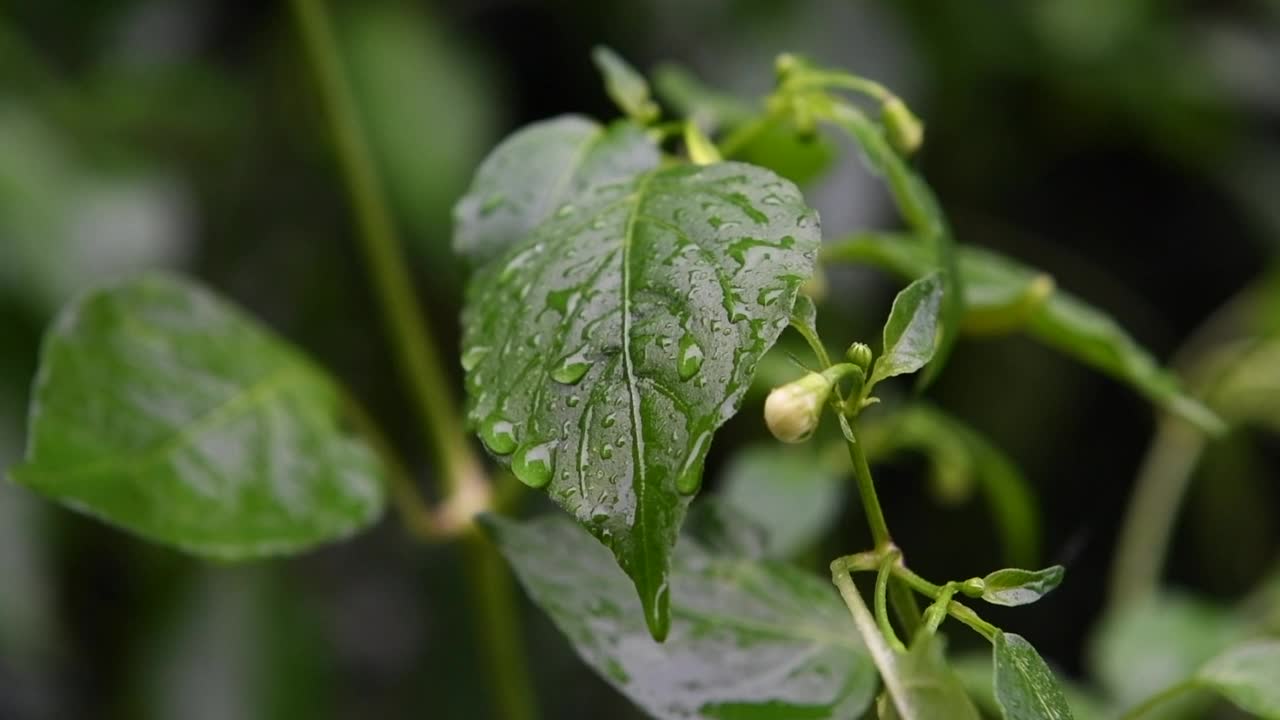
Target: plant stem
x,y
955,609
466,488
881,654
1153,511
867,493
416,354
1159,698
881,605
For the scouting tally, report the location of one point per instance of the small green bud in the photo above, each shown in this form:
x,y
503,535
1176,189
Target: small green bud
x,y
793,410
973,587
904,129
785,64
860,354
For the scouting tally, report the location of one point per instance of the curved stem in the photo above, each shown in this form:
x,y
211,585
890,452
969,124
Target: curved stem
x,y
1162,482
881,604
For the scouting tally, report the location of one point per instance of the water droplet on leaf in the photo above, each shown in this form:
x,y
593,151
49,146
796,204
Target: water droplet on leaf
x,y
532,464
498,434
689,360
473,356
571,369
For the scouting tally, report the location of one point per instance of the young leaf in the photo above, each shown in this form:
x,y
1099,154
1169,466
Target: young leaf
x,y
911,333
991,281
1247,675
1012,586
535,171
627,88
163,410
1025,687
789,491
749,639
606,348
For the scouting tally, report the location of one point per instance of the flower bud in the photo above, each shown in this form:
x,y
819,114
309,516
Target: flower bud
x,y
793,410
904,129
973,587
859,354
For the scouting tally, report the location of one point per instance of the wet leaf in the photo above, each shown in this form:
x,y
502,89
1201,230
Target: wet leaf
x,y
626,87
1025,687
911,333
163,410
1249,676
1061,320
749,639
532,174
1012,586
791,492
606,348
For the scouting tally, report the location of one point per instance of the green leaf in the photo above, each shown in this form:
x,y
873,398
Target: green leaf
x,y
606,348
1247,675
626,87
534,172
1148,646
792,492
924,686
992,281
911,333
163,410
974,670
1025,687
1012,586
749,639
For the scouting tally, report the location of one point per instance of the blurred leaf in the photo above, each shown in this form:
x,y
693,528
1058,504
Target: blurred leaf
x,y
974,671
535,172
959,457
627,88
1025,687
1013,587
924,687
428,106
723,529
1148,646
749,639
1062,321
1247,390
63,225
163,410
789,491
1247,675
911,332
773,144
605,349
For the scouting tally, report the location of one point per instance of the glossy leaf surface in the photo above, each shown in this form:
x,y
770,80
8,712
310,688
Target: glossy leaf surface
x,y
1012,586
1025,688
533,173
605,349
164,410
749,639
911,333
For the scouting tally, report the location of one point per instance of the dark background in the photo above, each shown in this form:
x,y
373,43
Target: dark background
x,y
1132,149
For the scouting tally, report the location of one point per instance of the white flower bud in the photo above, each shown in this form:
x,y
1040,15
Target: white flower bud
x,y
793,410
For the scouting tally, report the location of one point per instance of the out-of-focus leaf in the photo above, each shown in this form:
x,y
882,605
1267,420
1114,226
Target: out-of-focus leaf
x,y
1146,647
63,224
1061,321
723,529
1025,688
792,492
974,671
163,410
772,144
749,639
960,458
604,349
626,87
924,686
427,104
1247,675
1012,586
1248,389
911,332
534,173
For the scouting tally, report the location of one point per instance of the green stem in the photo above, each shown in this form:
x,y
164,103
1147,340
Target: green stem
x,y
1162,482
955,609
881,604
867,493
881,654
467,490
1159,698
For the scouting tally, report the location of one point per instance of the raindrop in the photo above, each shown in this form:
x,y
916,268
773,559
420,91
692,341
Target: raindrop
x,y
572,368
769,296
532,464
689,361
473,356
609,420
606,452
572,401
690,477
498,434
